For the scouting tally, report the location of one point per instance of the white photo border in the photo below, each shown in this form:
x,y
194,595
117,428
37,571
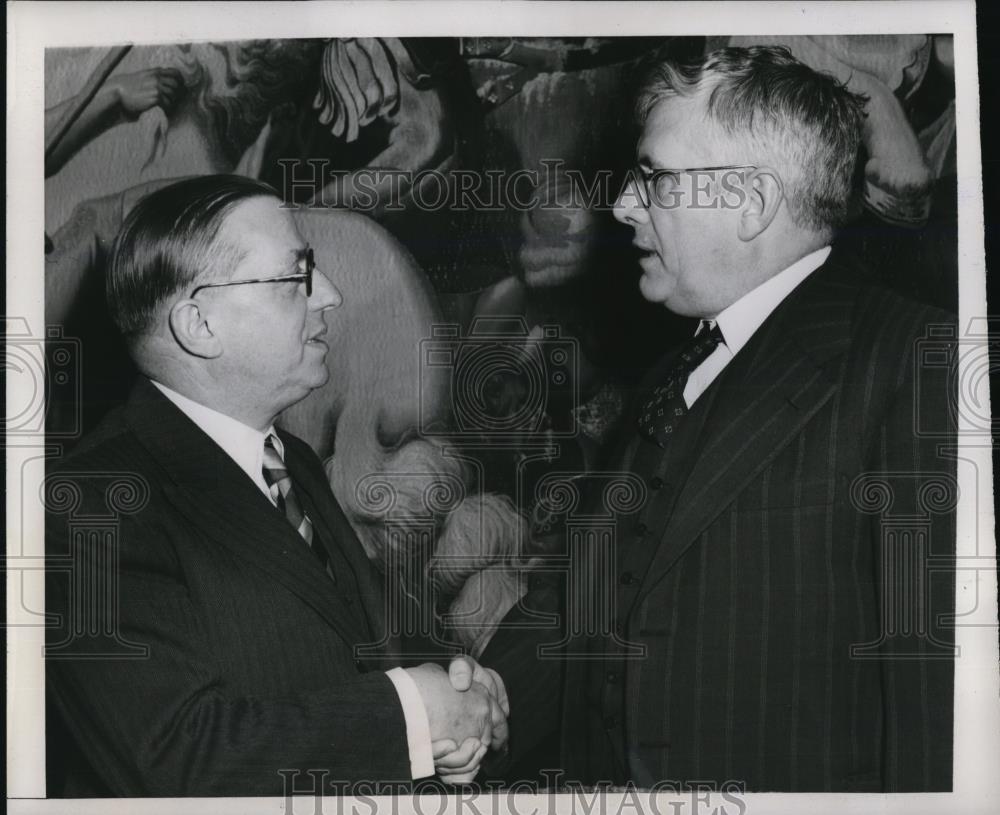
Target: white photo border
x,y
33,27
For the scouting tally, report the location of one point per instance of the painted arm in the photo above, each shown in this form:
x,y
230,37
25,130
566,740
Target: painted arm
x,y
123,98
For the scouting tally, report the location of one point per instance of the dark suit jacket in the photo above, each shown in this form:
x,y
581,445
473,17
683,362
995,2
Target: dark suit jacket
x,y
198,646
787,574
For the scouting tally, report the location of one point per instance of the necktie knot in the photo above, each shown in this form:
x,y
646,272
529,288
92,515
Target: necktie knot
x,y
280,483
666,407
706,340
274,467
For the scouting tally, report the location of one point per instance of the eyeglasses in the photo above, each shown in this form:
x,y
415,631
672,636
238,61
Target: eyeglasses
x,y
304,277
651,188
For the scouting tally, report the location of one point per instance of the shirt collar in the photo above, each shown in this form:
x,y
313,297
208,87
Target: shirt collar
x,y
242,443
741,319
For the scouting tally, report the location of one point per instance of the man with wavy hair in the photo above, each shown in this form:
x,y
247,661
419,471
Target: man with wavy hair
x,y
776,627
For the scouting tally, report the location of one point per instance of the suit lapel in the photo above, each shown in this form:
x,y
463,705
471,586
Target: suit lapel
x,y
337,532
210,489
765,397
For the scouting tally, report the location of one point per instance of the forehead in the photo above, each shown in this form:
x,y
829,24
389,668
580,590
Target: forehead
x,y
259,226
677,134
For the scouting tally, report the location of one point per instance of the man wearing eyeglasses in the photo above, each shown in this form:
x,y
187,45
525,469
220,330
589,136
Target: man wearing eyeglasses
x,y
213,647
779,617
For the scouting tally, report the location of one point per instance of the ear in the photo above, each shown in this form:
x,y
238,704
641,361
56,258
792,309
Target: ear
x,y
189,325
764,195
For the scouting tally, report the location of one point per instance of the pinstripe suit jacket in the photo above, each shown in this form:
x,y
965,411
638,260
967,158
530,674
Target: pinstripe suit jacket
x,y
231,653
785,578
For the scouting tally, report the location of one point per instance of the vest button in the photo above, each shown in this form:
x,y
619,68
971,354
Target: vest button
x,y
612,678
641,529
656,482
611,722
627,579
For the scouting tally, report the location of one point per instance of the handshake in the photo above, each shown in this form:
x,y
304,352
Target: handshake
x,y
467,711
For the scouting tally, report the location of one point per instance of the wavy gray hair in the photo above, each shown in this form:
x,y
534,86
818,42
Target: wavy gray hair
x,y
805,122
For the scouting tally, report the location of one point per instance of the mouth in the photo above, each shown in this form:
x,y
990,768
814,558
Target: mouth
x,y
317,339
645,253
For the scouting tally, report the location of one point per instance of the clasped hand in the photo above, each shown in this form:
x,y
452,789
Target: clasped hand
x,y
467,711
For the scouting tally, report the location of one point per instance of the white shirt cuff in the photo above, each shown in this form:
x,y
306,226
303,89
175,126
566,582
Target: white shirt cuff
x,y
418,727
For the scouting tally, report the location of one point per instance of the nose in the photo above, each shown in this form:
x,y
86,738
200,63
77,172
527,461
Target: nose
x,y
324,295
628,208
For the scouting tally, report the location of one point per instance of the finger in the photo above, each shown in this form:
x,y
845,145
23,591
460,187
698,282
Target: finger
x,y
501,694
165,82
483,677
464,774
486,737
165,100
499,724
169,75
459,760
366,81
499,736
354,102
475,757
166,91
170,89
386,76
330,75
342,121
461,672
459,778
321,100
443,747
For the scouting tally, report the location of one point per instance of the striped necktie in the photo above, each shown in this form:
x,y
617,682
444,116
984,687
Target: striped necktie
x,y
280,483
666,407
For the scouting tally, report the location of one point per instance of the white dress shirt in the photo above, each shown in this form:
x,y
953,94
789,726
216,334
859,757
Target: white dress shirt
x,y
740,320
245,445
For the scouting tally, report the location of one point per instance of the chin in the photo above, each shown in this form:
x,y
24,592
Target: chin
x,y
321,378
654,289
313,378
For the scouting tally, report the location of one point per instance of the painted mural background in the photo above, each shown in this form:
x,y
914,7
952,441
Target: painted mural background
x,y
458,192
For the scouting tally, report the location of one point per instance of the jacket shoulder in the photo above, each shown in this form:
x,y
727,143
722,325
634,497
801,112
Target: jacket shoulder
x,y
889,327
881,321
112,445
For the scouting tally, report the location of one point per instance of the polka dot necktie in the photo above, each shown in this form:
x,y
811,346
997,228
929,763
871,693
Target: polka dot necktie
x,y
280,483
660,415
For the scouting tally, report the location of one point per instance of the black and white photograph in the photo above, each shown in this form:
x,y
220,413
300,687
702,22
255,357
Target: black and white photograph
x,y
528,406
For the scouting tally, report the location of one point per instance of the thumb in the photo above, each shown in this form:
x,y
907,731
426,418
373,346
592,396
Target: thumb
x,y
460,673
442,747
